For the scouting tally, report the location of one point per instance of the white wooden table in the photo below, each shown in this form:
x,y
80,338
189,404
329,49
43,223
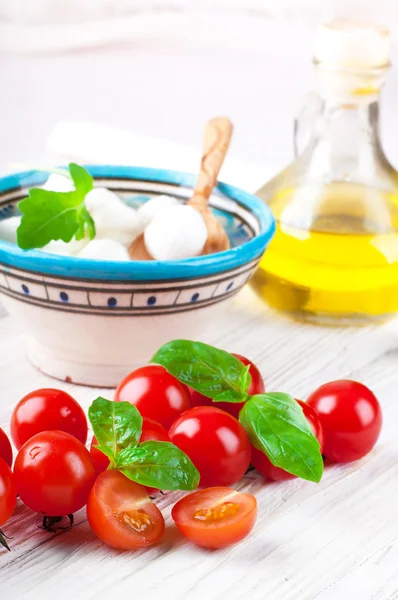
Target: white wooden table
x,y
334,540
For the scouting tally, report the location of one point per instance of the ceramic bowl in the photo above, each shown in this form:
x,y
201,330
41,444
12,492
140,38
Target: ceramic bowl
x,y
91,322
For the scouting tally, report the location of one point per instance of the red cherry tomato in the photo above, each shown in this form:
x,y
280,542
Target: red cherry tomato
x,y
351,418
262,463
100,460
216,443
256,387
45,410
215,517
150,431
5,448
157,394
8,492
54,473
121,513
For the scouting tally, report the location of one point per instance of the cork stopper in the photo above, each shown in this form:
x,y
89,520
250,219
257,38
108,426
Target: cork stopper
x,y
352,45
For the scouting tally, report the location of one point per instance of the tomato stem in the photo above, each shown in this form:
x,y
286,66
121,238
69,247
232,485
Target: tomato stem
x,y
3,541
49,522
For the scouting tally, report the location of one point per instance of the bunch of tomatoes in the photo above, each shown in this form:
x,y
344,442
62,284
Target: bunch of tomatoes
x,y
55,474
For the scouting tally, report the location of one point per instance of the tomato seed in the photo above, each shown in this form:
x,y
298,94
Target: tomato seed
x,y
217,513
138,520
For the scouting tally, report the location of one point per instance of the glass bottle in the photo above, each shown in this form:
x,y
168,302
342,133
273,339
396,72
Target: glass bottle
x,y
334,257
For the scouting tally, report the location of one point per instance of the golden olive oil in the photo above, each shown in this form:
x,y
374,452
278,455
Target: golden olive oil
x,y
335,255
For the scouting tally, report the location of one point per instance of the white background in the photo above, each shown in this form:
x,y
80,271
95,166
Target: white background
x,y
164,72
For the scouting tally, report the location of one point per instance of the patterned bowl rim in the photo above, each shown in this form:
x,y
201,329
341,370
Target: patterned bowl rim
x,y
79,268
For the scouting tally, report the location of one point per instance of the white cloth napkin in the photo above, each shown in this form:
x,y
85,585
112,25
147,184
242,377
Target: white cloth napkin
x,y
99,143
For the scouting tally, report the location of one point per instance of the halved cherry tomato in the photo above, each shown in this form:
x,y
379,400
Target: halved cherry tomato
x,y
46,410
5,448
216,443
233,408
351,418
8,492
157,394
150,431
54,473
215,517
262,463
121,513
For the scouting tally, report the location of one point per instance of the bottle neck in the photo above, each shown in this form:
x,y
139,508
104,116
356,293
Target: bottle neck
x,y
346,140
349,86
349,129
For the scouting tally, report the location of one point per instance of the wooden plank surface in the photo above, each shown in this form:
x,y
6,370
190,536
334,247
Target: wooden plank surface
x,y
334,540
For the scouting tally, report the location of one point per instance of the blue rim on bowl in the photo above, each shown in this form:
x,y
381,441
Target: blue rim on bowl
x,y
52,264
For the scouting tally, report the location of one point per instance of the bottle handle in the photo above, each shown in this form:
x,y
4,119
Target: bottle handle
x,y
304,123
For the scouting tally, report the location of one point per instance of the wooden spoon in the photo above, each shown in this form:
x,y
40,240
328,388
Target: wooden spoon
x,y
217,136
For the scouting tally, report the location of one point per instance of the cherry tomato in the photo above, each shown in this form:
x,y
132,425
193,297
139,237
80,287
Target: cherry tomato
x,y
157,394
262,463
351,418
54,473
150,431
121,513
216,443
8,492
5,448
100,460
215,517
256,387
45,410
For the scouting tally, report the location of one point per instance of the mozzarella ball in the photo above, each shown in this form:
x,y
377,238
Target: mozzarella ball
x,y
8,229
102,197
177,233
71,248
148,211
104,250
113,219
58,183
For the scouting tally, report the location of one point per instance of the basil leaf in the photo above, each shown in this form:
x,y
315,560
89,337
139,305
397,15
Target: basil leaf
x,y
48,215
229,396
116,425
160,465
283,402
277,426
206,369
85,224
81,178
246,379
107,451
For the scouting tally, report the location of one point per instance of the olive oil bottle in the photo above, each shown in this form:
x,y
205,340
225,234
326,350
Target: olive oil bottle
x,y
334,257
